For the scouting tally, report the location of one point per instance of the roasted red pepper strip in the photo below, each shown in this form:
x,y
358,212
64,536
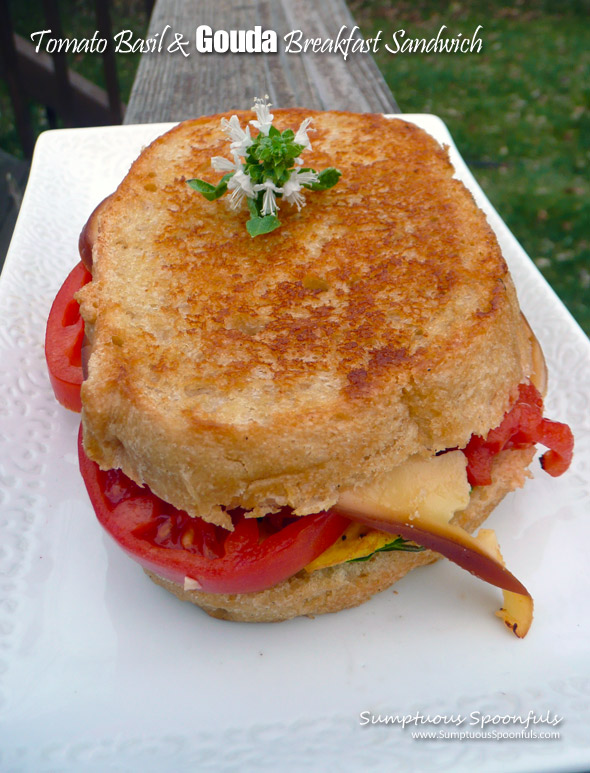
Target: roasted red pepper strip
x,y
521,427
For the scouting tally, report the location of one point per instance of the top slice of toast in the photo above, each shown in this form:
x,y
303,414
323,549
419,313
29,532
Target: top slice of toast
x,y
377,322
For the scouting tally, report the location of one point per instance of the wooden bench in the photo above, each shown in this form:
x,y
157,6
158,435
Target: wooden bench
x,y
172,87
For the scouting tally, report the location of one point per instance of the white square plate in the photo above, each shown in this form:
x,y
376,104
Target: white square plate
x,y
102,670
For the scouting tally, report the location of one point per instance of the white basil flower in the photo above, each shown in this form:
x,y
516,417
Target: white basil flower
x,y
306,178
294,185
240,139
301,137
269,201
241,186
221,164
263,114
292,194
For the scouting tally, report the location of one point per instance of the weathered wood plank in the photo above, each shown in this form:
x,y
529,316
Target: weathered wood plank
x,y
171,87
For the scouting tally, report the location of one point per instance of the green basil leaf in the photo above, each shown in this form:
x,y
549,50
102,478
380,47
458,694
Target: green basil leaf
x,y
252,206
210,192
398,544
262,225
296,149
326,179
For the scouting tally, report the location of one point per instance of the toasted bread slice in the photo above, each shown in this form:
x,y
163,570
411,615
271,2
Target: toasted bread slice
x,y
378,322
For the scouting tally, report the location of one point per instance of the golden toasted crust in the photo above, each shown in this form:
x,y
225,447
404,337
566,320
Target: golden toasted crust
x,y
378,322
348,585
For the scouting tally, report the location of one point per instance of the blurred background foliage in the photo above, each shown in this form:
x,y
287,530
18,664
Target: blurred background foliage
x,y
519,111
78,20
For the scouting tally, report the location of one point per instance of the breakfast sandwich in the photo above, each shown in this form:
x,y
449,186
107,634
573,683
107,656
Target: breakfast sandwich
x,y
285,414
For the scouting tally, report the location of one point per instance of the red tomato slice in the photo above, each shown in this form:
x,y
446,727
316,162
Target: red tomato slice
x,y
63,341
256,555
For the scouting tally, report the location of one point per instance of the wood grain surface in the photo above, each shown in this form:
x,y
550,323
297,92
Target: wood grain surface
x,y
172,87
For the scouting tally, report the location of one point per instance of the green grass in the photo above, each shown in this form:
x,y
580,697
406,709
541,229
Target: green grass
x,y
519,113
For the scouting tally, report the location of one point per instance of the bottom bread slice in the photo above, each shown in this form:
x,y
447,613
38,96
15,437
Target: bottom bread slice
x,y
350,584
